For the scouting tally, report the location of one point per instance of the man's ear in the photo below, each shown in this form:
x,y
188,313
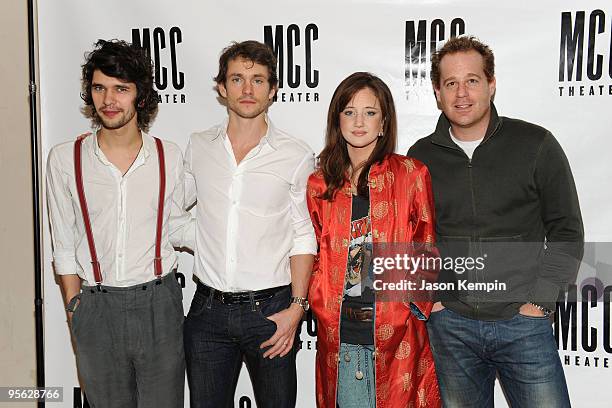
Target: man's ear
x,y
492,87
272,92
436,92
221,89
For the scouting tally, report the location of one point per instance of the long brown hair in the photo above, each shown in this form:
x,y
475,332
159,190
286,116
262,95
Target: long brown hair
x,y
334,160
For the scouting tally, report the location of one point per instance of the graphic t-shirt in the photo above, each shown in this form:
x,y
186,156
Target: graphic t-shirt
x,y
358,287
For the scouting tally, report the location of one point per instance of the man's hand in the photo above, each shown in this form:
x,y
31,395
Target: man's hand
x,y
438,306
287,322
70,286
530,310
69,314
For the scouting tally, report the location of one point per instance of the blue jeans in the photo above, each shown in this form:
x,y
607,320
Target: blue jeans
x,y
522,351
354,393
217,339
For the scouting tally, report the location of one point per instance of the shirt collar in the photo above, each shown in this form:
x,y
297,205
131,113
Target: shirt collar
x,y
147,146
270,137
441,135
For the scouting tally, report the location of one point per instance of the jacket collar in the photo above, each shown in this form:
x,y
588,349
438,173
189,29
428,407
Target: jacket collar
x,y
442,137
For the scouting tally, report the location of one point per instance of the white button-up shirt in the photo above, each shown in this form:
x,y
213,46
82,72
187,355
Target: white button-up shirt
x,y
250,217
122,210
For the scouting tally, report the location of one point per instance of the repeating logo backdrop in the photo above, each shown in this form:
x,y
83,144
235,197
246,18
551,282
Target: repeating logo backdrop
x,y
554,68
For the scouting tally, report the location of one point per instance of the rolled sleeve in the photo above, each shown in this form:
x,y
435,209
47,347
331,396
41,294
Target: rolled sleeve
x,y
61,218
304,240
180,223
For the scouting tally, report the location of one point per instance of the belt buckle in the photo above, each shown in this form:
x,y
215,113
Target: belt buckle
x,y
223,297
363,311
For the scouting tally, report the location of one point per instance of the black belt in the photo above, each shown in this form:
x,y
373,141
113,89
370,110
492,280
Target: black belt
x,y
363,314
230,298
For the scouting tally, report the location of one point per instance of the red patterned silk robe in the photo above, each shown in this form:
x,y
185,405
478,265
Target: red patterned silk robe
x,y
401,210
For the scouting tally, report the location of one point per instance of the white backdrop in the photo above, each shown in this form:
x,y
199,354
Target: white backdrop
x,y
329,40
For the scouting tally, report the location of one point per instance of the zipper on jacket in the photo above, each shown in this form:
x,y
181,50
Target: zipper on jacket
x,y
472,194
485,140
473,236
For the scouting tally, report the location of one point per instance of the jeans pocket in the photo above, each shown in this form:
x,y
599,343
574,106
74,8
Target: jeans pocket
x,y
535,318
269,307
198,304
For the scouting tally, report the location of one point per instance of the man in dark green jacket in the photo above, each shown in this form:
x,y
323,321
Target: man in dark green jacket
x,y
505,199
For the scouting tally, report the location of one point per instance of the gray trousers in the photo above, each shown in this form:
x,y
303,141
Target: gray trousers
x,y
129,345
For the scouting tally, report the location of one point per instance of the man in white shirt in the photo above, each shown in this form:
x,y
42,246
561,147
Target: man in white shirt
x,y
116,200
255,243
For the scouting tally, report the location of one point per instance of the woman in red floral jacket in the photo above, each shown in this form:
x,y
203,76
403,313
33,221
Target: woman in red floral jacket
x,y
371,352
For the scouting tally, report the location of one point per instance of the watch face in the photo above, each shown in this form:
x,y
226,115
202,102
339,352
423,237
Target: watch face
x,y
303,302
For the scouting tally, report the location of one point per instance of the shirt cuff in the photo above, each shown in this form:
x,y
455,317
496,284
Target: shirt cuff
x,y
304,246
64,265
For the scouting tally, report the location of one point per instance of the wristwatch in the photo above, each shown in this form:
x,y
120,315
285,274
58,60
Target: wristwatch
x,y
547,312
303,302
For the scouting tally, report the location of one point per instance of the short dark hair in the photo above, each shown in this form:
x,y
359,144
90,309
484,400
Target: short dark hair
x,y
250,50
462,44
127,62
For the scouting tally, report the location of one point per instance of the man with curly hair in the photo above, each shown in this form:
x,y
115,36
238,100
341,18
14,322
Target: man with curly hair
x,y
115,199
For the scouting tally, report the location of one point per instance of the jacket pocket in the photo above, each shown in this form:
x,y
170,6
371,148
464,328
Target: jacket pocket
x,y
510,261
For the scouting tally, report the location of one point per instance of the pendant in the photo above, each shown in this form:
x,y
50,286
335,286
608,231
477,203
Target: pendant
x,y
359,375
347,357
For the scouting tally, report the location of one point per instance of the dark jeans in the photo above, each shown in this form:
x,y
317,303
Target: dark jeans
x,y
129,345
522,351
217,339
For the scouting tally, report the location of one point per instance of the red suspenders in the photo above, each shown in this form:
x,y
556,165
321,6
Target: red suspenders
x,y
78,172
160,207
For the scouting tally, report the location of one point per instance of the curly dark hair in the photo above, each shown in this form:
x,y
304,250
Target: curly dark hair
x,y
334,160
254,51
127,62
462,44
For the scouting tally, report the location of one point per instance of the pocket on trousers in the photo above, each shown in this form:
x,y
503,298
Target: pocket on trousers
x,y
435,315
267,308
79,314
534,318
198,303
176,294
